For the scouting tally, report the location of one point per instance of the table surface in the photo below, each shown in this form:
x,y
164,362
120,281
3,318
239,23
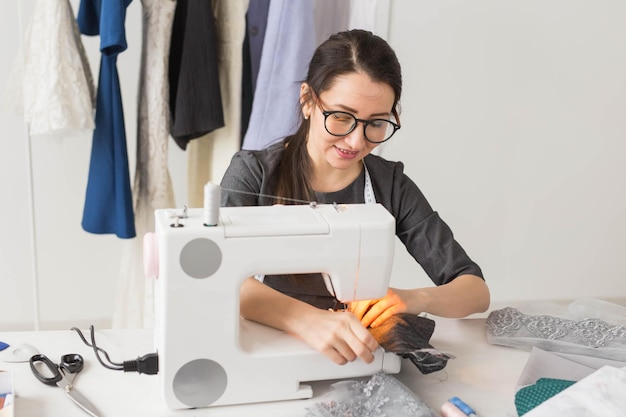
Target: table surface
x,y
483,375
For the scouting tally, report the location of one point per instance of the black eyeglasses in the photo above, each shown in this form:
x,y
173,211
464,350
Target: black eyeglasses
x,y
340,123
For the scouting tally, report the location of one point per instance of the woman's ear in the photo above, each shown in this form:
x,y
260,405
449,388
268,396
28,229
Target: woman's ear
x,y
306,100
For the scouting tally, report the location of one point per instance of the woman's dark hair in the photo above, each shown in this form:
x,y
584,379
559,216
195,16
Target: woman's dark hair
x,y
343,53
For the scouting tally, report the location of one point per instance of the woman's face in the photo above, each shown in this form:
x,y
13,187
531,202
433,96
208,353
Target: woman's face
x,y
354,93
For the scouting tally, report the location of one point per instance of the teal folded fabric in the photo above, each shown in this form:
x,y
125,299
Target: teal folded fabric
x,y
531,396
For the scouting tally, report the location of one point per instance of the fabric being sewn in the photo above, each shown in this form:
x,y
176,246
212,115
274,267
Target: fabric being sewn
x,y
589,336
408,335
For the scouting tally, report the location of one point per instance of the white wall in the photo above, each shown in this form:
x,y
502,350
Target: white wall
x,y
513,126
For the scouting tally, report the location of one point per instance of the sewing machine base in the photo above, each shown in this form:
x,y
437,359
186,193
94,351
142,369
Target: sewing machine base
x,y
288,364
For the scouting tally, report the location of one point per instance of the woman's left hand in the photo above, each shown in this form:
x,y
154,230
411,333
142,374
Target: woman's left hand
x,y
374,312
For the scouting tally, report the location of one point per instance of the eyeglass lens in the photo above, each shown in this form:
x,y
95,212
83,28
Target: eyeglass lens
x,y
376,130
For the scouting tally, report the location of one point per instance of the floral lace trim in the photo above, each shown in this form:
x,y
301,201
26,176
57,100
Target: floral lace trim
x,y
589,332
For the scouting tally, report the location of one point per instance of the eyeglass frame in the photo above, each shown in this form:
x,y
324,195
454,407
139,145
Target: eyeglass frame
x,y
326,113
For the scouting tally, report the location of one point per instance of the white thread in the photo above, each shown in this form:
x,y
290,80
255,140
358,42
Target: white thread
x,y
370,198
211,204
295,200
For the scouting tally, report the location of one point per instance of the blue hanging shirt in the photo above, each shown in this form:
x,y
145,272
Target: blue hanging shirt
x,y
108,201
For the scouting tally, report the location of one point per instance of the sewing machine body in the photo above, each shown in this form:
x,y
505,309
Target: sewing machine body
x,y
208,355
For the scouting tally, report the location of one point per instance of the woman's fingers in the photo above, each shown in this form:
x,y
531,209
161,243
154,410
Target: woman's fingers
x,y
372,313
356,341
360,308
342,338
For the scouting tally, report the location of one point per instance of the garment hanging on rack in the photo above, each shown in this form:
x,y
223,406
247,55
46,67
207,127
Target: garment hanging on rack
x,y
108,201
195,97
208,156
287,49
50,82
294,29
152,189
256,24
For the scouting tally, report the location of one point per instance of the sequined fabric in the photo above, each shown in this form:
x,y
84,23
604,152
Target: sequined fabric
x,y
380,396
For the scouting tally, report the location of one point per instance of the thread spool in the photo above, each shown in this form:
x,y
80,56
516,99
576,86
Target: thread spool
x,y
450,410
211,212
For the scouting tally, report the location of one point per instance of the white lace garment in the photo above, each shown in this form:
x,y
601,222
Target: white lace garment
x,y
50,82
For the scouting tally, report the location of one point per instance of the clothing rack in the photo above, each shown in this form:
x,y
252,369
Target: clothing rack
x,y
31,196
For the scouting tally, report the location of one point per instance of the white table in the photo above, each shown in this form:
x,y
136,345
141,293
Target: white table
x,y
483,375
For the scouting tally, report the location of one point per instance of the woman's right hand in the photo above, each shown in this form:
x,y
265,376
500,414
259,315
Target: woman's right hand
x,y
338,335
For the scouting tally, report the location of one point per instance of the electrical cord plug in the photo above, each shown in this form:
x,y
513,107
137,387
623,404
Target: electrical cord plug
x,y
147,364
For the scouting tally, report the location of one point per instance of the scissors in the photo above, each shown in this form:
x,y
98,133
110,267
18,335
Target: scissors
x,y
63,376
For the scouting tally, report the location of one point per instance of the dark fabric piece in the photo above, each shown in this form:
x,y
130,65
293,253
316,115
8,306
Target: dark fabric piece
x,y
108,199
408,335
403,332
195,96
426,236
309,288
256,24
247,92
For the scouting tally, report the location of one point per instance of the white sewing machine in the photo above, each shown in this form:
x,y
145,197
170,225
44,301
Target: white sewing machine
x,y
208,355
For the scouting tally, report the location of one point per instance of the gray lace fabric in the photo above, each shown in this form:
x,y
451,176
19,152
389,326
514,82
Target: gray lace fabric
x,y
380,396
588,336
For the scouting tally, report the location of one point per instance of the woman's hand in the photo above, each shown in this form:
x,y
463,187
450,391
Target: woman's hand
x,y
372,313
464,295
338,335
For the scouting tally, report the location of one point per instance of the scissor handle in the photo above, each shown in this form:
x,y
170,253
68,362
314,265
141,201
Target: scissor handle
x,y
72,362
53,367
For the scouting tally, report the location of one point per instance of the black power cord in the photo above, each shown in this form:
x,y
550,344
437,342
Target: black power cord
x,y
147,364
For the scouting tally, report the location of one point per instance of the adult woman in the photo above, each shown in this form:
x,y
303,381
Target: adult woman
x,y
349,105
